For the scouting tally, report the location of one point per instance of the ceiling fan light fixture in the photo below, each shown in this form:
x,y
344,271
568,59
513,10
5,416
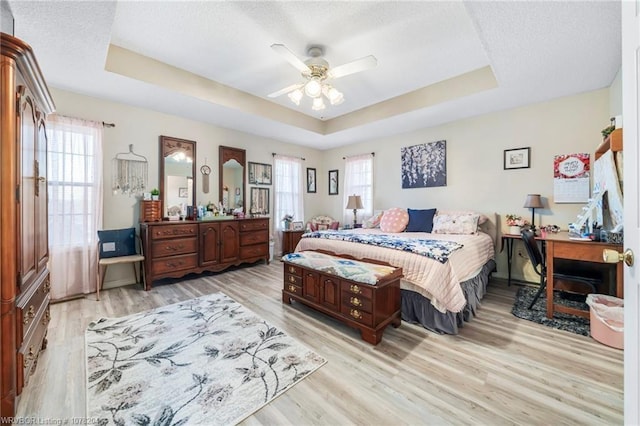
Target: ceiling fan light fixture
x,y
313,88
296,96
318,105
334,95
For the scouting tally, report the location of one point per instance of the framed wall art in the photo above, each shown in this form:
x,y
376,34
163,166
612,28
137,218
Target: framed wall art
x,y
517,158
311,180
259,201
259,173
424,165
182,192
333,182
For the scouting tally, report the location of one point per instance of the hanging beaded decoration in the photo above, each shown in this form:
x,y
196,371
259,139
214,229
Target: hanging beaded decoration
x,y
129,173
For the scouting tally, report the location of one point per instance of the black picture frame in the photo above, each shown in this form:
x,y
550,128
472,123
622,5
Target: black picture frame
x,y
517,158
333,182
259,200
260,173
311,180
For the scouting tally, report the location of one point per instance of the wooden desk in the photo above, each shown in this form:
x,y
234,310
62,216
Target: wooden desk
x,y
559,246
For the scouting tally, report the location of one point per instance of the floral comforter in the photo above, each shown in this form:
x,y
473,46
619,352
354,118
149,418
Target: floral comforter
x,y
435,249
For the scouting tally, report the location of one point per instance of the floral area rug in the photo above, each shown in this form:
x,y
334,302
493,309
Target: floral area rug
x,y
207,360
538,313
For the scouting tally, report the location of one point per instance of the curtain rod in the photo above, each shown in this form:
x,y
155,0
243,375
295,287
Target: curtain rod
x,y
373,154
302,158
105,124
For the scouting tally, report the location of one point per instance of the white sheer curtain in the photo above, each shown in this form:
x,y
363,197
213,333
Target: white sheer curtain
x,y
75,203
358,180
288,194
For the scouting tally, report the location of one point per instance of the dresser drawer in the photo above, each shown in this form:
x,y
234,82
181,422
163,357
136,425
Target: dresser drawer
x,y
293,279
28,352
28,308
358,315
254,225
174,263
293,269
292,288
356,301
171,231
171,247
254,251
363,290
248,238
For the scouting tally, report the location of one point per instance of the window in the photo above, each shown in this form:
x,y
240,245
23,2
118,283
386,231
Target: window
x,y
288,189
74,175
358,180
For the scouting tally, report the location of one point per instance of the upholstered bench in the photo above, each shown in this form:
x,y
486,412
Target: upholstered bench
x,y
364,294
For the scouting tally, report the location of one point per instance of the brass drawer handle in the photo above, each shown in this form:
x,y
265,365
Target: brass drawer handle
x,y
292,288
355,301
46,287
28,316
355,313
46,318
292,279
355,289
292,269
28,357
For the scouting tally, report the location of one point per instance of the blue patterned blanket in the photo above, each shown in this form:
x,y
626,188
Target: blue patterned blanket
x,y
435,249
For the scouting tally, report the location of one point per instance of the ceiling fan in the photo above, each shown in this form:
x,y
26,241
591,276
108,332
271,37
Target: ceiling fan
x,y
317,72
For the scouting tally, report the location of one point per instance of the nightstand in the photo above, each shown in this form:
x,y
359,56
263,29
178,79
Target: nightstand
x,y
290,240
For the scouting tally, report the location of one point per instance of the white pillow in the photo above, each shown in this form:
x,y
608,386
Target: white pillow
x,y
452,224
482,218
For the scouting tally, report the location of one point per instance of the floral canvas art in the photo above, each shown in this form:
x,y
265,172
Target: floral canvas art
x,y
424,165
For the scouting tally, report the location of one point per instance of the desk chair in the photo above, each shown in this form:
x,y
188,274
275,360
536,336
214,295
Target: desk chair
x,y
117,246
573,284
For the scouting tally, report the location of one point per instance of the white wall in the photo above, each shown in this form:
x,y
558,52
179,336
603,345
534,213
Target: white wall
x,y
142,128
615,95
475,176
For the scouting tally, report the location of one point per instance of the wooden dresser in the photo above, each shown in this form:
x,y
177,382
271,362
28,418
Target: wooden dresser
x,y
24,251
175,249
290,240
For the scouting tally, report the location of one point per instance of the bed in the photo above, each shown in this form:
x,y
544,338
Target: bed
x,y
439,295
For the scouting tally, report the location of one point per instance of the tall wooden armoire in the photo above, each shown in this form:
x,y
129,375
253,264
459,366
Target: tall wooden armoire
x,y
24,292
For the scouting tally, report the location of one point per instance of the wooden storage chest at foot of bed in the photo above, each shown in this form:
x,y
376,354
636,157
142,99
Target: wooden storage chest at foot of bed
x,y
369,308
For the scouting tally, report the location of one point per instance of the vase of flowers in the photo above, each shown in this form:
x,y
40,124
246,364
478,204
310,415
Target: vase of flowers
x,y
286,221
515,223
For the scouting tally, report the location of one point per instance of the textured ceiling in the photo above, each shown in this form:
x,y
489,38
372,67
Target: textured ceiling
x,y
535,50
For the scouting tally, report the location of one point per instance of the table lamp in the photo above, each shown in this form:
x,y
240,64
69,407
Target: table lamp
x,y
533,202
355,203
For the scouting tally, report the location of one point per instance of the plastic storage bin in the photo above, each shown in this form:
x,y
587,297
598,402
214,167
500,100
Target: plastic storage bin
x,y
607,319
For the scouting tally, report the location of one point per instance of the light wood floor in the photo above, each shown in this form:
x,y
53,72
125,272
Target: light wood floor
x,y
498,370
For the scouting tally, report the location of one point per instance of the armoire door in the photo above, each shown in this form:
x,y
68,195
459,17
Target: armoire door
x,y
42,217
28,183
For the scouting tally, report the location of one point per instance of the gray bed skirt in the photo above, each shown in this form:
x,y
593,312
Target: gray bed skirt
x,y
417,309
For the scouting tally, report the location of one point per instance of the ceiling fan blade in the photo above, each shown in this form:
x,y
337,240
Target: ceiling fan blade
x,y
353,67
285,90
291,58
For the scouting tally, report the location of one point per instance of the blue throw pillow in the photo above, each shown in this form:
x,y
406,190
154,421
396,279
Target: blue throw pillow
x,y
117,242
420,220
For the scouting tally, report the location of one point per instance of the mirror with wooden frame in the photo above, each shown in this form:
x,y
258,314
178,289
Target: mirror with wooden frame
x,y
231,177
177,172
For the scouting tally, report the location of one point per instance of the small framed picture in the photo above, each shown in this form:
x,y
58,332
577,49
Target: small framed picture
x,y
311,180
259,201
259,173
182,192
333,182
297,226
517,158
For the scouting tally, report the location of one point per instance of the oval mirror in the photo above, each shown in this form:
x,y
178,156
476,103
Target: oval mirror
x,y
177,171
231,177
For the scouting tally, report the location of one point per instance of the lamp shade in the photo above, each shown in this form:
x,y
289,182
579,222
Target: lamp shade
x,y
533,201
354,202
